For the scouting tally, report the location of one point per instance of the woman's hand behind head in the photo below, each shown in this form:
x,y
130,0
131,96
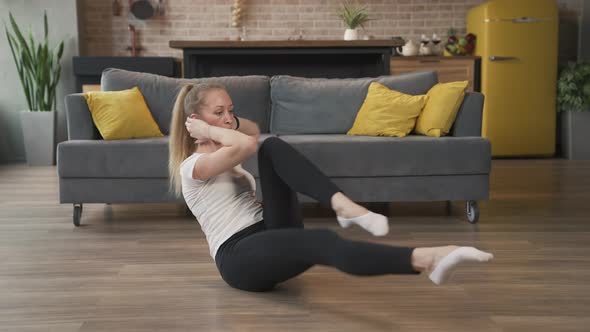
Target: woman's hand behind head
x,y
197,129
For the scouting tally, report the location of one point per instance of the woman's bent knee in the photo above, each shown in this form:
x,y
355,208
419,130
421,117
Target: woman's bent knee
x,y
270,142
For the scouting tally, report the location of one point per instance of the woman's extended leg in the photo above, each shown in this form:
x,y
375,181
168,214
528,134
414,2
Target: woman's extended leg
x,y
259,261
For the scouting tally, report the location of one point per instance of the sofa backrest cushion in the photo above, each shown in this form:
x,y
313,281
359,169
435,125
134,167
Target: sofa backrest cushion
x,y
250,94
329,106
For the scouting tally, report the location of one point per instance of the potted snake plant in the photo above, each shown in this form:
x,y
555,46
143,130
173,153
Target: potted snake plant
x,y
39,71
573,103
353,16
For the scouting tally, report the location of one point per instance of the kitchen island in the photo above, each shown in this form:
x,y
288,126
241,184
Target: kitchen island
x,y
305,58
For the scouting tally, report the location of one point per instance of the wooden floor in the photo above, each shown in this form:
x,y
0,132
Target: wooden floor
x,y
147,267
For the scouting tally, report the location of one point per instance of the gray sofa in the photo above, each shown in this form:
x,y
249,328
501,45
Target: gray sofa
x,y
311,114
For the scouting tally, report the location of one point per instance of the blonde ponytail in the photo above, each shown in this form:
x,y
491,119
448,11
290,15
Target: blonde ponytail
x,y
180,145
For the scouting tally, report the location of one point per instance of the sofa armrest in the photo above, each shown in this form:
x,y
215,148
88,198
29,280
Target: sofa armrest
x,y
78,118
470,115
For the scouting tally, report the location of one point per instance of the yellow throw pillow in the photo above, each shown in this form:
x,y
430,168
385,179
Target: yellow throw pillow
x,y
387,112
121,114
444,100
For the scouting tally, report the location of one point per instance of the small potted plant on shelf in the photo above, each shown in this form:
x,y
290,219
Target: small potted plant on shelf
x,y
354,16
39,72
573,104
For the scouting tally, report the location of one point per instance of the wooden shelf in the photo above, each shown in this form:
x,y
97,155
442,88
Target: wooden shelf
x,y
305,58
182,44
88,69
437,57
449,69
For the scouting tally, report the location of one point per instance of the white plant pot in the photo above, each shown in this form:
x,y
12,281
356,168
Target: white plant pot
x,y
351,34
39,137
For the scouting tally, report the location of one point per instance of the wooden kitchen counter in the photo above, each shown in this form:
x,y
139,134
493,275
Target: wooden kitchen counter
x,y
448,68
182,44
305,58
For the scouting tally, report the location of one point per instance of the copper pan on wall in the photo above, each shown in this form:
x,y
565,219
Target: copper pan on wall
x,y
142,9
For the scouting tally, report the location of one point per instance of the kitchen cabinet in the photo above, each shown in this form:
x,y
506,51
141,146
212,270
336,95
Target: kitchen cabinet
x,y
449,69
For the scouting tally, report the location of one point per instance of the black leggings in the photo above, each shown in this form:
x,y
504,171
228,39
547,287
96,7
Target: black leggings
x,y
278,248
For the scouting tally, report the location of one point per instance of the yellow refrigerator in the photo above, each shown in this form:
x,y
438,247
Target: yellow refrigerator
x,y
517,42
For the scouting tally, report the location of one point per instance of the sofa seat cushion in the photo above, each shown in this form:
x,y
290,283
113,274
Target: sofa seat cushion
x,y
367,156
133,158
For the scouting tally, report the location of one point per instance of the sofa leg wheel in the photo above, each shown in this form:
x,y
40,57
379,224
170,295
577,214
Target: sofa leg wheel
x,y
472,212
77,214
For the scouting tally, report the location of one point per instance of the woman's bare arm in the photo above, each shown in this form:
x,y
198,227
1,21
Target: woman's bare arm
x,y
237,147
249,127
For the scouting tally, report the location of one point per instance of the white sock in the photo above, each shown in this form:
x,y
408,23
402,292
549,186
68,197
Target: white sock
x,y
376,224
454,259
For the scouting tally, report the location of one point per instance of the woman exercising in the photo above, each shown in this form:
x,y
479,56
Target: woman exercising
x,y
256,246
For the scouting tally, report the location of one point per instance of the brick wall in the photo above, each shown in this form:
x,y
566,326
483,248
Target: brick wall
x,y
101,33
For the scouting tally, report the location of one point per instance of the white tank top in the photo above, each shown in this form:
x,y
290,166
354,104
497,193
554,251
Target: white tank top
x,y
223,204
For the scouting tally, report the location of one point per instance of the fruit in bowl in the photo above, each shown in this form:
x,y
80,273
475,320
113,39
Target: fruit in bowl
x,y
459,45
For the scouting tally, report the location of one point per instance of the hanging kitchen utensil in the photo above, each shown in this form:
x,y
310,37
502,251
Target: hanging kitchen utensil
x,y
133,48
116,7
142,9
160,8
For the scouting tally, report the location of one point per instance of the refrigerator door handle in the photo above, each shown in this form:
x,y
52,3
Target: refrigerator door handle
x,y
502,58
518,20
525,19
